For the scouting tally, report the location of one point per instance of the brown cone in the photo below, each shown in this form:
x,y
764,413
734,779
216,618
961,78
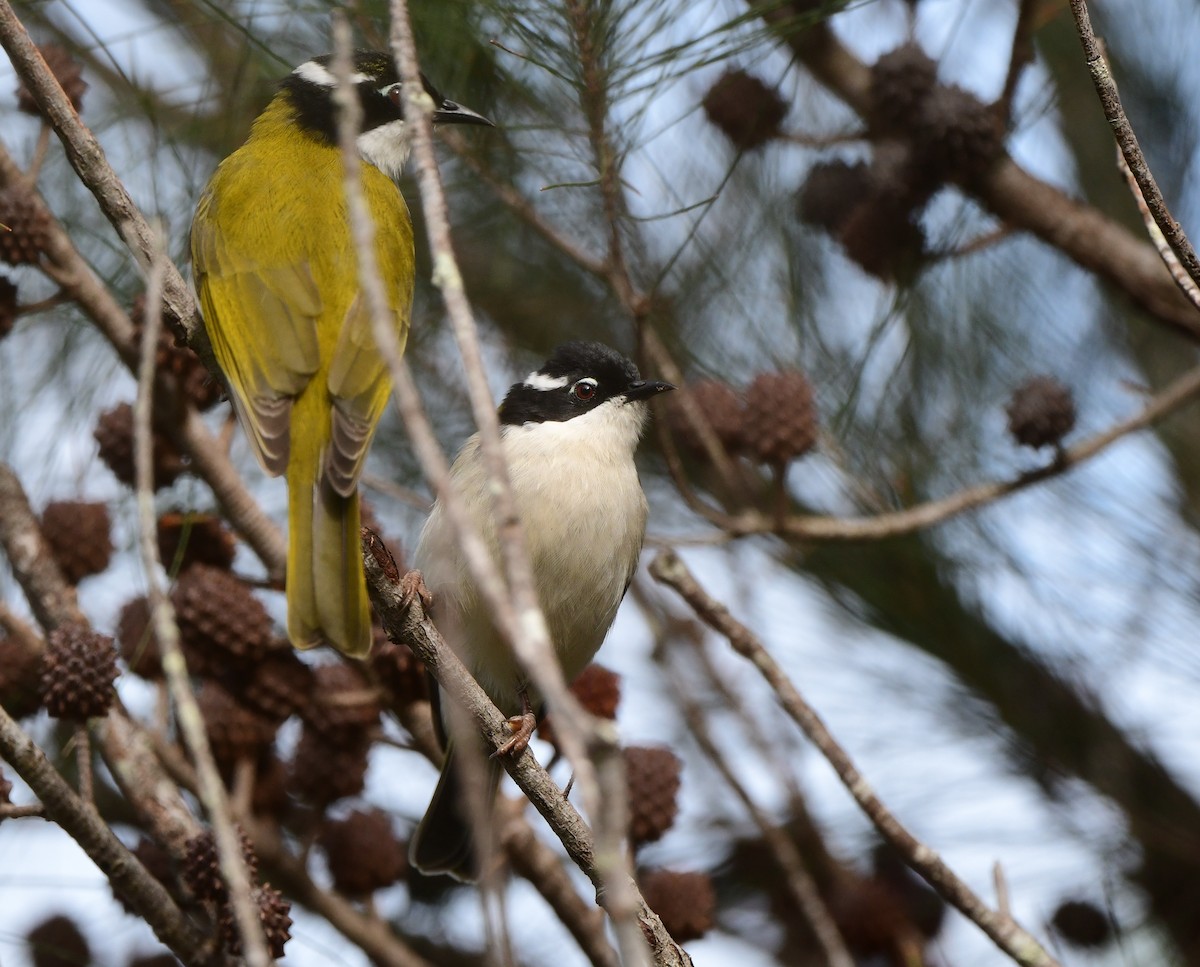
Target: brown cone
x,y
781,417
202,867
191,538
28,223
685,902
58,942
398,671
172,355
363,852
1041,412
1082,924
235,732
219,618
270,797
275,913
652,775
79,535
831,191
746,110
901,80
870,915
68,72
343,703
598,690
114,434
20,677
323,772
278,686
78,671
136,640
720,406
957,134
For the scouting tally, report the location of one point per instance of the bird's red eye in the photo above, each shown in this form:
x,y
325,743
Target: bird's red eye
x,y
394,94
584,390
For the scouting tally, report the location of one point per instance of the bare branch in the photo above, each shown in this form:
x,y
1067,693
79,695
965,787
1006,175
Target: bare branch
x,y
1178,393
1114,113
405,620
1005,932
784,852
1092,240
166,631
84,825
88,160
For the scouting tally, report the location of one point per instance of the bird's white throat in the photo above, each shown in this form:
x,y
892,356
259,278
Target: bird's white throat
x,y
612,428
387,147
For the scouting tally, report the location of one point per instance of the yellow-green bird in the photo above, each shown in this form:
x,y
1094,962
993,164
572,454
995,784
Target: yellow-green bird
x,y
277,279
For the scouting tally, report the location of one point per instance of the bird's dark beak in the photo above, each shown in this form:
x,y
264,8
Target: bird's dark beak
x,y
450,113
642,389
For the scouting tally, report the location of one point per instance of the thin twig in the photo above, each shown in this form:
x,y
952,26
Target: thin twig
x,y
541,866
1114,113
383,327
784,852
166,632
1170,259
1005,932
33,810
1181,391
524,209
398,493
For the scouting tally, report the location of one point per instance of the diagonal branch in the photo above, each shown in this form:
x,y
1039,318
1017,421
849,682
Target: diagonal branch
x,y
86,826
1003,930
405,620
1114,113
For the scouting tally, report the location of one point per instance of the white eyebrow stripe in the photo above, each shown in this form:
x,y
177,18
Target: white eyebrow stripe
x,y
541,381
318,74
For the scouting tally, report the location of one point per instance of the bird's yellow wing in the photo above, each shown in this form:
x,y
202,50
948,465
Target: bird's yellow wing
x,y
262,322
359,380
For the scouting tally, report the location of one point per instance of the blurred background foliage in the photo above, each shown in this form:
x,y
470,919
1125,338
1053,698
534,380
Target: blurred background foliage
x,y
1039,651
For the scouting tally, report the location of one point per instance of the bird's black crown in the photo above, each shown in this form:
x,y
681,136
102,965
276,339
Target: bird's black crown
x,y
313,99
576,379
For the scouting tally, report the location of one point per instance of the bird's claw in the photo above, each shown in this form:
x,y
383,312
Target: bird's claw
x,y
522,727
412,586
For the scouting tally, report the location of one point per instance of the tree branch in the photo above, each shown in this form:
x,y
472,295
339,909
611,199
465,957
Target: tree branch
x,y
405,620
1131,151
1005,932
1093,241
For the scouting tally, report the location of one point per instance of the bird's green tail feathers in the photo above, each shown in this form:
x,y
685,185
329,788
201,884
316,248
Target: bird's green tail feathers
x,y
326,589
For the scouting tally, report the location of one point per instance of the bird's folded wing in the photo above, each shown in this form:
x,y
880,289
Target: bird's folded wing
x,y
360,384
262,322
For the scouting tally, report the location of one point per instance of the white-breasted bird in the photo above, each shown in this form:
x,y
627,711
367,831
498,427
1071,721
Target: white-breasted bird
x,y
569,432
